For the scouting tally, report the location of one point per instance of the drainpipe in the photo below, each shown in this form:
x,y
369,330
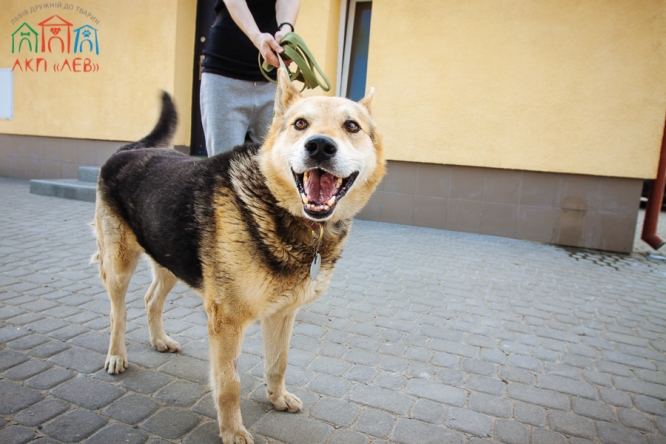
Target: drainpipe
x,y
655,198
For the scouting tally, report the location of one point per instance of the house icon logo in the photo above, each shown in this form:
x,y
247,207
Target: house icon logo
x,y
55,44
56,29
86,38
25,35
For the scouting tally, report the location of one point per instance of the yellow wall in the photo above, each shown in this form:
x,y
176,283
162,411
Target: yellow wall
x,y
562,86
318,23
144,47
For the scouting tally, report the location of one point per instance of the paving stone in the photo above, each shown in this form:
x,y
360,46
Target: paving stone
x,y
649,405
380,398
533,395
78,391
26,370
484,384
117,433
594,410
80,359
428,411
511,432
375,422
640,387
392,381
131,409
41,412
187,368
617,434
530,414
571,425
15,434
436,392
361,373
469,422
509,373
542,436
331,366
635,419
491,405
411,431
74,426
14,397
293,429
206,406
68,332
615,397
48,349
171,422
27,342
346,437
569,386
180,393
329,385
335,411
12,333
206,433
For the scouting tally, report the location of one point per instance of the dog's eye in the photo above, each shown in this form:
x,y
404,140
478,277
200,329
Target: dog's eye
x,y
300,124
352,126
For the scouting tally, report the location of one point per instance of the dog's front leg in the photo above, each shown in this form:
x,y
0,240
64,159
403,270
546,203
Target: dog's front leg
x,y
276,334
226,337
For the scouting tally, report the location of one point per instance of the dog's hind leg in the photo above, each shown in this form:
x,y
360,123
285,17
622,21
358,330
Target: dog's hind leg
x,y
163,282
276,333
118,255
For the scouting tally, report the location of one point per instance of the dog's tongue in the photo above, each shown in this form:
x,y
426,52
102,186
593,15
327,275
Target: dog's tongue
x,y
320,186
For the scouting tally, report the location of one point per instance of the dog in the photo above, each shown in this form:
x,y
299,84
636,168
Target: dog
x,y
255,231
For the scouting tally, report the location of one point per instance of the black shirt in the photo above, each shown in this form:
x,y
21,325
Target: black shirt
x,y
229,52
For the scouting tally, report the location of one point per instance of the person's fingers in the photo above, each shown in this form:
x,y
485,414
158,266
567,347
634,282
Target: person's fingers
x,y
275,46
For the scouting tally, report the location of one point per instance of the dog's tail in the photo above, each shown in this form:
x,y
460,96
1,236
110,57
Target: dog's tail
x,y
162,135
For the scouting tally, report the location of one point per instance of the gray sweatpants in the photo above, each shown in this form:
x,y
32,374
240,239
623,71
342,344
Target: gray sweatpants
x,y
231,108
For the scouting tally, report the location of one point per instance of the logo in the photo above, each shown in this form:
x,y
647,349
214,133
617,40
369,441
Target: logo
x,y
55,44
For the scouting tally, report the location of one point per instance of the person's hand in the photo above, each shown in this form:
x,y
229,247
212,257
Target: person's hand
x,y
280,35
269,48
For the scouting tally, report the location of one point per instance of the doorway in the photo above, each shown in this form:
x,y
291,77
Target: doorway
x,y
205,19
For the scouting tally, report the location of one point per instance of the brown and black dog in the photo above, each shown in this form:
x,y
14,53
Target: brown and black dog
x,y
256,231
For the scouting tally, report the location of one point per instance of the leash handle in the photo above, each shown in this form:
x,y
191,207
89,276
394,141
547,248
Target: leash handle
x,y
307,67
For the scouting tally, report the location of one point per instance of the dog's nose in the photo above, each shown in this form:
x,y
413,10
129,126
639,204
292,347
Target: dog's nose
x,y
320,148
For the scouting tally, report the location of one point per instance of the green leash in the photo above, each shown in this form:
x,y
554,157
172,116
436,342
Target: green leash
x,y
306,65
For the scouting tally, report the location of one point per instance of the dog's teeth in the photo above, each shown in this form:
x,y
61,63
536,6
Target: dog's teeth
x,y
339,181
331,201
305,176
304,198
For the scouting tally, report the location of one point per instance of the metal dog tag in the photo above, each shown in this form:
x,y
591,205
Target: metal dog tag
x,y
314,267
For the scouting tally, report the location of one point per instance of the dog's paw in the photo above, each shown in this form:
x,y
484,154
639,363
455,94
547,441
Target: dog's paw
x,y
288,402
115,364
166,344
241,436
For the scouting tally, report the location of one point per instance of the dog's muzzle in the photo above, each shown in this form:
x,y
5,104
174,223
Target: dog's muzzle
x,y
320,190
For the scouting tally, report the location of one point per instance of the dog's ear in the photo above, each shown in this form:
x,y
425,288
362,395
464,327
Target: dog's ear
x,y
366,101
285,94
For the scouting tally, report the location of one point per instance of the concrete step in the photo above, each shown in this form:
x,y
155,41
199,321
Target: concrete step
x,y
88,174
67,188
82,188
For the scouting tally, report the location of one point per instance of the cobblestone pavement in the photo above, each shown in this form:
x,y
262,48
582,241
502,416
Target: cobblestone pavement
x,y
426,336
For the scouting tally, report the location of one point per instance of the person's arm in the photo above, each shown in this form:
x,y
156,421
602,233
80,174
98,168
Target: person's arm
x,y
265,43
286,11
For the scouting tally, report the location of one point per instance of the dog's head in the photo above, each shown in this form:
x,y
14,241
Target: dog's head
x,y
322,156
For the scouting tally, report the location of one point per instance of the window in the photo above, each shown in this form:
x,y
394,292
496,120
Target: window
x,y
355,39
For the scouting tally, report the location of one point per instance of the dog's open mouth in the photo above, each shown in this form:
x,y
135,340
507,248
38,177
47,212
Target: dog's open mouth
x,y
320,191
